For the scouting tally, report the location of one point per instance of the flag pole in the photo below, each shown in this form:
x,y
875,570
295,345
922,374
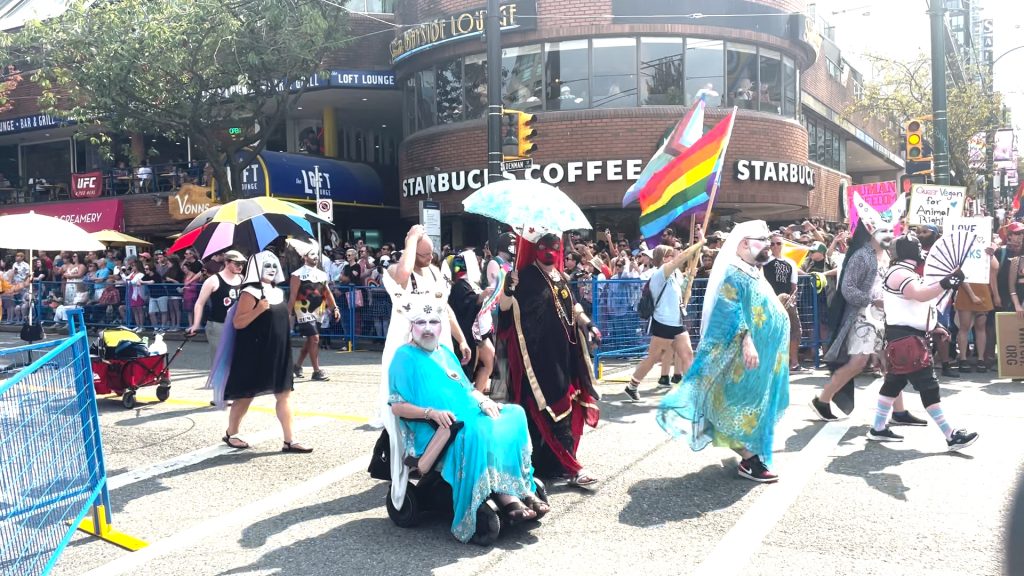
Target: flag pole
x,y
693,226
718,177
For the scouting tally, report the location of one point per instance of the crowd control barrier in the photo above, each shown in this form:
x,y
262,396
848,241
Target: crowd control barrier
x,y
52,475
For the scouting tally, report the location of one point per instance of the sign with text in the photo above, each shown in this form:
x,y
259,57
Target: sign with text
x,y
976,266
430,218
33,122
555,174
933,203
89,215
1010,345
515,15
878,195
189,201
87,185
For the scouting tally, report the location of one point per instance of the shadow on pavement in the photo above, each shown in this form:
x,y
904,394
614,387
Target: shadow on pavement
x,y
868,464
139,420
801,437
716,487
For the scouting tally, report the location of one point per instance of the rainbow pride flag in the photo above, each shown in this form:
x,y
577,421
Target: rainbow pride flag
x,y
685,134
687,182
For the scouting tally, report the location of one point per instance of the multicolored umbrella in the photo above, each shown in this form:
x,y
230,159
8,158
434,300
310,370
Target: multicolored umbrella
x,y
248,225
531,207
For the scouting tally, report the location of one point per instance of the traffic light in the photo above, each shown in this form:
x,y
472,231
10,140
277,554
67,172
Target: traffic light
x,y
509,134
918,151
526,134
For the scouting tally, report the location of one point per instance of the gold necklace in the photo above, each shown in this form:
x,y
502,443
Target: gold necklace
x,y
568,324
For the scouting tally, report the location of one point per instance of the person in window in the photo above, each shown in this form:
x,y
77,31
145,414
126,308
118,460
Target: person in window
x,y
4,182
144,176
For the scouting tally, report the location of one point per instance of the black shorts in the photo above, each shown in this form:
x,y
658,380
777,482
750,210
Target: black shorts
x,y
307,329
665,331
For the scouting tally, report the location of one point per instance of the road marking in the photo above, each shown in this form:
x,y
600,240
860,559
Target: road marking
x,y
733,552
197,456
133,562
270,410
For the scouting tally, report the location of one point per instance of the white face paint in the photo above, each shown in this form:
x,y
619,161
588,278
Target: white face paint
x,y
425,332
883,235
269,272
758,248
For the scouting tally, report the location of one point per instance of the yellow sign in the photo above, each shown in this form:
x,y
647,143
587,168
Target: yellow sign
x,y
189,201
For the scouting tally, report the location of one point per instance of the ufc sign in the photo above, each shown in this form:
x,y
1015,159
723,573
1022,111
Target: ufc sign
x,y
86,185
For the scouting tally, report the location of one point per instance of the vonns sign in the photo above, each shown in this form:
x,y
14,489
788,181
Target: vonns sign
x,y
190,201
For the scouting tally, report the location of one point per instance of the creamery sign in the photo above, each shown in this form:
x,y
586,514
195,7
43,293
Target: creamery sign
x,y
189,201
515,15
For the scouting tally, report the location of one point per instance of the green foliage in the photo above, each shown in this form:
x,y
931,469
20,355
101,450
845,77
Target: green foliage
x,y
903,90
182,67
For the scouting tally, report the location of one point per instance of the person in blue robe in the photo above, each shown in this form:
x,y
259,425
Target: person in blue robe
x,y
490,454
738,386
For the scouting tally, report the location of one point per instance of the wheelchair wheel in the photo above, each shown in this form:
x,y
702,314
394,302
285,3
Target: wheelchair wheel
x,y
541,490
408,516
488,524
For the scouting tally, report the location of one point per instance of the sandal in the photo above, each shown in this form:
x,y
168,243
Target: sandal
x,y
537,505
582,479
295,447
230,441
517,512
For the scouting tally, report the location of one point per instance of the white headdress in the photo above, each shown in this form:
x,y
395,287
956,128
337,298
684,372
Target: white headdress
x,y
254,268
875,221
728,256
417,306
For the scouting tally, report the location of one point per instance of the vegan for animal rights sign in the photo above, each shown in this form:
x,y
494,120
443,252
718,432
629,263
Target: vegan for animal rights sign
x,y
932,203
878,195
976,266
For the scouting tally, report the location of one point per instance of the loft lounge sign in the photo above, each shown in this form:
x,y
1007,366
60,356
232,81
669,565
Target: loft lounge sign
x,y
765,171
515,15
554,174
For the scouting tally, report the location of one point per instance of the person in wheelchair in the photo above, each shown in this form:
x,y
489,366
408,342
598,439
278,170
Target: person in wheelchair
x,y
483,447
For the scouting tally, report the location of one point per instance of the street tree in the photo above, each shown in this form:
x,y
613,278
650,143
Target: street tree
x,y
224,73
901,90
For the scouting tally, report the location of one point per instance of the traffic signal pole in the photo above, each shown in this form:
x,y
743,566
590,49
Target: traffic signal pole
x,y
492,34
940,155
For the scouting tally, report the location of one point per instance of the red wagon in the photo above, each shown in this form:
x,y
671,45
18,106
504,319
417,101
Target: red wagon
x,y
118,366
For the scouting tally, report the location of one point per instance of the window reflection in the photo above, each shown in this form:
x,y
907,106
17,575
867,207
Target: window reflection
x,y
409,102
522,78
567,72
425,99
769,83
704,69
614,73
741,75
789,87
661,71
449,92
474,75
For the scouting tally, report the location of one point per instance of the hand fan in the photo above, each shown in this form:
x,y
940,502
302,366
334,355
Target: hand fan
x,y
947,254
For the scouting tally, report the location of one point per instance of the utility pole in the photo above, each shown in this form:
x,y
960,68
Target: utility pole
x,y
492,34
940,153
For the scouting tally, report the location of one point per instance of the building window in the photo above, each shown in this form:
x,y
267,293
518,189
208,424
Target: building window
x,y
858,90
661,71
449,92
741,75
789,87
769,82
614,73
474,79
425,99
824,145
522,78
835,69
567,72
371,6
704,71
409,103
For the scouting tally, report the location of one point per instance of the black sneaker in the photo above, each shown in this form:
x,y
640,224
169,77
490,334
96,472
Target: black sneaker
x,y
633,392
753,469
663,382
884,435
905,418
319,375
964,367
961,439
823,410
677,379
798,369
950,371
297,371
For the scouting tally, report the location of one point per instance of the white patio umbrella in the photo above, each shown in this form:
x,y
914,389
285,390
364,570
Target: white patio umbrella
x,y
39,232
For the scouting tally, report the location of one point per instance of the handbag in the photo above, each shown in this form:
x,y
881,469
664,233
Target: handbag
x,y
907,355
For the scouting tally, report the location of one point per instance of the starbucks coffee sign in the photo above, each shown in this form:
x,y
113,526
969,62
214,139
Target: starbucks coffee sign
x,y
765,171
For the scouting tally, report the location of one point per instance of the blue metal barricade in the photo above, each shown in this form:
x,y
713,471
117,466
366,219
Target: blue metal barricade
x,y
612,304
52,474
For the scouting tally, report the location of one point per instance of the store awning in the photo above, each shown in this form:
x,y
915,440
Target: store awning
x,y
293,177
90,215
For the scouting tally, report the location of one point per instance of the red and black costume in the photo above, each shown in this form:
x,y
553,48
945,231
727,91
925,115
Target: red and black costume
x,y
550,370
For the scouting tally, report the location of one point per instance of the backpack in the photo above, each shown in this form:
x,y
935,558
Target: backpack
x,y
645,308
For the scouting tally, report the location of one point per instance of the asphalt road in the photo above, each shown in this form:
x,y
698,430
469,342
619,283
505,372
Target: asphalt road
x,y
843,506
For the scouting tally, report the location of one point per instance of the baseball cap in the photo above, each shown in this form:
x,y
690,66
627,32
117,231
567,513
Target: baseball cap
x,y
385,261
818,247
234,256
158,253
1015,227
144,255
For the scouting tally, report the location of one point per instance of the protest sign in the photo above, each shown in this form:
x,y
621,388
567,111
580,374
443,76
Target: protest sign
x,y
976,266
932,203
1010,345
878,195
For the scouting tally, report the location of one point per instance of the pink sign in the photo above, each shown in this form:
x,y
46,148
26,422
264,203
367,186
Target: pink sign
x,y
879,195
91,216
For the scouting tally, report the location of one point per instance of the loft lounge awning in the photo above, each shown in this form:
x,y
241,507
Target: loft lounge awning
x,y
293,177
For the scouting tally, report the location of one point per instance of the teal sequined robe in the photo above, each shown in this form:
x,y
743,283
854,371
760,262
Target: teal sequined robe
x,y
720,401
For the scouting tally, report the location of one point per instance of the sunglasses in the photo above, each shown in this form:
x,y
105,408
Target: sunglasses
x,y
776,243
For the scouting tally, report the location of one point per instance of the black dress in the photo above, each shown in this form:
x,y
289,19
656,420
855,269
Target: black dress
x,y
262,362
